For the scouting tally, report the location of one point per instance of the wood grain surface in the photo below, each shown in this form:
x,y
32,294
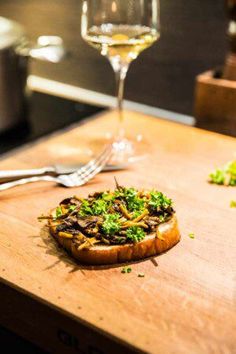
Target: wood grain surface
x,y
184,304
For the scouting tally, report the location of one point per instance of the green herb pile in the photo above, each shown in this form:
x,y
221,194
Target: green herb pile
x,y
233,204
124,215
225,175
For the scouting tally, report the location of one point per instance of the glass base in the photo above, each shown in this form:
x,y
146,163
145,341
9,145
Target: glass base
x,y
127,151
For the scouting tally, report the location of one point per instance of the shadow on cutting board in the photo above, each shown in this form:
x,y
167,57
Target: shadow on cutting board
x,y
51,247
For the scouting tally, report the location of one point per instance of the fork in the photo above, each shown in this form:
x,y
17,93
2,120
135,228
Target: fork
x,y
75,179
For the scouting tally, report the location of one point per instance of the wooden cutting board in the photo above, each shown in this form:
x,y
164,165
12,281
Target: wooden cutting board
x,y
186,303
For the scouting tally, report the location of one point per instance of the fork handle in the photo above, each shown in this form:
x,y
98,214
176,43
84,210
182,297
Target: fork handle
x,y
22,181
15,174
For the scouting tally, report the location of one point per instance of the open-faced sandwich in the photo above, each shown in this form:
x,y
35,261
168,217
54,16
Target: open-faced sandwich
x,y
115,226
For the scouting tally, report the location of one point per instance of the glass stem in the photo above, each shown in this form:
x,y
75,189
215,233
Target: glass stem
x,y
120,82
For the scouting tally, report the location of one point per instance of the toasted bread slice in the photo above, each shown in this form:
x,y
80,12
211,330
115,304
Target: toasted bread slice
x,y
166,236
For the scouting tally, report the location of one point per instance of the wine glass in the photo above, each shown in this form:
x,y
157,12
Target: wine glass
x,y
121,30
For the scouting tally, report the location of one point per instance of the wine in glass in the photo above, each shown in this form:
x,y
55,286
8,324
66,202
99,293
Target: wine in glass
x,y
121,30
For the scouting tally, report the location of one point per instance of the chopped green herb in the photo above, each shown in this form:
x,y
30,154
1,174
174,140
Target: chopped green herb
x,y
225,175
111,224
159,201
99,207
141,275
126,270
136,214
58,212
135,234
130,195
108,197
96,207
72,208
161,218
85,208
233,204
191,235
134,203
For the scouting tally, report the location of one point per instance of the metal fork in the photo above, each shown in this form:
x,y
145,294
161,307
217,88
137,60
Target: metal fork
x,y
75,179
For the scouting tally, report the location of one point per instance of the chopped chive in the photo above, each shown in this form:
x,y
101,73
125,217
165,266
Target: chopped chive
x,y
126,270
59,212
191,235
72,208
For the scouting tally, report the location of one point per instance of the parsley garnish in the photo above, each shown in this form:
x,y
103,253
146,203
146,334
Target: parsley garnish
x,y
136,214
108,197
225,175
135,234
126,270
111,225
85,208
72,208
59,212
233,204
134,203
130,195
161,218
191,235
99,207
159,201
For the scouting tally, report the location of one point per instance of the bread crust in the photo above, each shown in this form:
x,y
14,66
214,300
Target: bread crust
x,y
168,236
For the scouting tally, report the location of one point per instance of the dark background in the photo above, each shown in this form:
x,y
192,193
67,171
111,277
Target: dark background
x,y
193,39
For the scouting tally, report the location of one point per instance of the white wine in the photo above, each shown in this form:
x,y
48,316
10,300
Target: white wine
x,y
120,30
123,42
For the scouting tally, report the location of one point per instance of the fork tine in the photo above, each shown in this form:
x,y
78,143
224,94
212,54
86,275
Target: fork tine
x,y
95,166
86,168
90,163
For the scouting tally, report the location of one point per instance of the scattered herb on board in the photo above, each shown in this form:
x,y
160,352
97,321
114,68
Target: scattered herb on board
x,y
141,275
225,175
126,270
233,204
191,235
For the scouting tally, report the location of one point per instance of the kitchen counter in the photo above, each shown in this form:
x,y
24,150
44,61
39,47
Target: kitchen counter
x,y
192,41
186,301
45,115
